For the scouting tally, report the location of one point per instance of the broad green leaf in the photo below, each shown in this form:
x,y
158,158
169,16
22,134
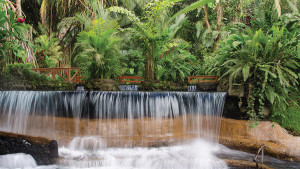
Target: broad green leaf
x,y
189,8
246,71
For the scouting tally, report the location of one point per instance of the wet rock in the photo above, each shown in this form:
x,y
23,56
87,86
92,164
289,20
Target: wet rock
x,y
244,164
207,86
278,143
42,150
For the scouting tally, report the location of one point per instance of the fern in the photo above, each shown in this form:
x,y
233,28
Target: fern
x,y
266,61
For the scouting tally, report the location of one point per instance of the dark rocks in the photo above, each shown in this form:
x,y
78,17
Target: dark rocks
x,y
207,86
102,85
235,90
44,152
155,85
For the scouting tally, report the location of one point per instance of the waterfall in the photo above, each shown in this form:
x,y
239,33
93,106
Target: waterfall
x,y
129,87
109,129
112,115
191,88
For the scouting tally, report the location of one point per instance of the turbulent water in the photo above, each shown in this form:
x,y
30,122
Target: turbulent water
x,y
195,155
114,129
192,88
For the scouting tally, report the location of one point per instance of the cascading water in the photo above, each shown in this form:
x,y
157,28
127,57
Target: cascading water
x,y
191,88
129,87
89,126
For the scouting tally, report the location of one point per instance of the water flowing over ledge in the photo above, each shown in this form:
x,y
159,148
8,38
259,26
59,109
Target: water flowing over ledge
x,y
111,114
109,129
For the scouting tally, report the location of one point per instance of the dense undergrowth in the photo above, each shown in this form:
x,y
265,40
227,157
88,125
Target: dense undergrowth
x,y
21,77
289,119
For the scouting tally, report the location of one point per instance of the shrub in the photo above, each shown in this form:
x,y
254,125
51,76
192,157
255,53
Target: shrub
x,y
289,119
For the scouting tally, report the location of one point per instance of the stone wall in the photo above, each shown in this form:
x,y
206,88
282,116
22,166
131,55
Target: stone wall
x,y
43,150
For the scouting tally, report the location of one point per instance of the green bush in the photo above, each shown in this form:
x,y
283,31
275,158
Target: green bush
x,y
22,72
289,119
265,63
22,77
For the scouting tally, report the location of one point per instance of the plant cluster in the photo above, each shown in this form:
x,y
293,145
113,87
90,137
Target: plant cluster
x,y
251,43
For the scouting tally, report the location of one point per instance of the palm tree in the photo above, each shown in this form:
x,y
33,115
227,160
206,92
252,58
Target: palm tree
x,y
97,47
49,46
157,30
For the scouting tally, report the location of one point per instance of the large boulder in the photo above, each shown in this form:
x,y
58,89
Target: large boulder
x,y
278,143
43,150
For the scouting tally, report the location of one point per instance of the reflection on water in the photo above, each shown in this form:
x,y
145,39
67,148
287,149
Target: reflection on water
x,y
226,153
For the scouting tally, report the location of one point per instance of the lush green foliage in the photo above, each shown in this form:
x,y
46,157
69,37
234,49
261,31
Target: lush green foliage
x,y
98,51
266,63
176,65
155,30
49,51
22,72
289,119
10,33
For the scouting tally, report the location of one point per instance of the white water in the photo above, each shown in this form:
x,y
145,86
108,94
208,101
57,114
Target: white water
x,y
17,161
198,154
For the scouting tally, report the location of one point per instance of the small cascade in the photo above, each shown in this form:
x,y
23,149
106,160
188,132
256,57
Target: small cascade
x,y
80,88
129,87
91,143
191,88
197,154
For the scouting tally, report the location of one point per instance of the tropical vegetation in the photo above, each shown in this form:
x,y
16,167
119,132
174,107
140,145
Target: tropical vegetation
x,y
249,43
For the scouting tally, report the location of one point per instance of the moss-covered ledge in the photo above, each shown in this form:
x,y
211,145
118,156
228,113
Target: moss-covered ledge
x,y
43,150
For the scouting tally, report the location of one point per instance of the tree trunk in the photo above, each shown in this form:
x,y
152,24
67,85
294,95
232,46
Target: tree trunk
x,y
278,7
206,17
18,8
219,21
150,61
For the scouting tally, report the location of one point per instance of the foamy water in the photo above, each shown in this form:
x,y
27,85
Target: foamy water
x,y
198,154
195,155
19,160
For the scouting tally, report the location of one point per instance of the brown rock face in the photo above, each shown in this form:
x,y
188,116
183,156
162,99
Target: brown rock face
x,y
152,132
236,134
